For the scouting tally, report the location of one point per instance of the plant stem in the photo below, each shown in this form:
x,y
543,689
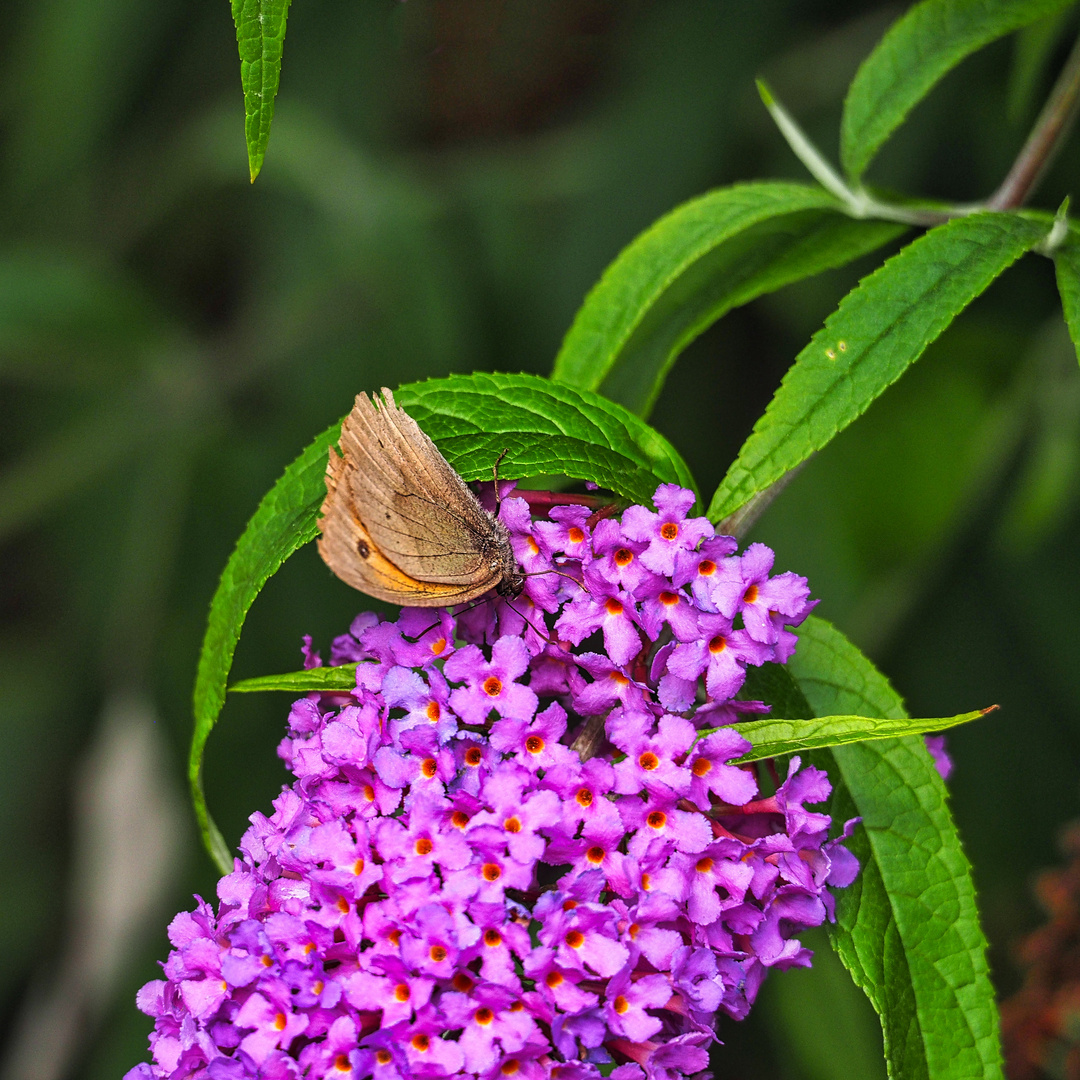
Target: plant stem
x,y
1046,136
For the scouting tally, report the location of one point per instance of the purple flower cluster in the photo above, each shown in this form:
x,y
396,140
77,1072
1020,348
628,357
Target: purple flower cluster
x,y
519,847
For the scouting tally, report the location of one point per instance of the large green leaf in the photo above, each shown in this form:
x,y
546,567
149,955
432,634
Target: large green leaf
x,y
1067,265
919,48
260,34
547,429
880,327
696,263
908,928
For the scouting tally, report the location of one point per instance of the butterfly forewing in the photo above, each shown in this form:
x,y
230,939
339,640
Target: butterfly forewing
x,y
398,523
414,506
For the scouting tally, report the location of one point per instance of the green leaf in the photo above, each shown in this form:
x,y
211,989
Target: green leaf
x,y
284,522
918,49
691,267
880,327
773,737
1067,266
546,427
908,928
260,34
319,678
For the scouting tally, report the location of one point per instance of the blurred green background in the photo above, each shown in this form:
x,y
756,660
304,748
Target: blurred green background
x,y
445,180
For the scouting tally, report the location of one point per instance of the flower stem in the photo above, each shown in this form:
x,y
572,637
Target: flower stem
x,y
1046,137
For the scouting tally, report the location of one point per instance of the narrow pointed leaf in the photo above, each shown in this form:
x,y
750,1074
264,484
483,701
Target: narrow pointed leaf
x,y
260,35
908,928
696,263
320,678
1067,266
880,328
773,737
546,428
919,48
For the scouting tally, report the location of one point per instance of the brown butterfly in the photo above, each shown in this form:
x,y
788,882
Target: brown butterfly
x,y
400,525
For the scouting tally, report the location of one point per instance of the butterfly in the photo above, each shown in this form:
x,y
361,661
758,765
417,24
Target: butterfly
x,y
399,524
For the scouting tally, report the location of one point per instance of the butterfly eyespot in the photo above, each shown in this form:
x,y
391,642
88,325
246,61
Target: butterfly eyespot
x,y
362,549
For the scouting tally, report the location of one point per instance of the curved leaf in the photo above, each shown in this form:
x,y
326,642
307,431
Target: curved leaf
x,y
918,49
284,522
693,265
908,928
260,34
548,429
774,737
880,327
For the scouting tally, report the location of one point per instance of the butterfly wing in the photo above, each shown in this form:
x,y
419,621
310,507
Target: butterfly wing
x,y
391,494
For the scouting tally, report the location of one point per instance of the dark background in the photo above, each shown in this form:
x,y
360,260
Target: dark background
x,y
444,182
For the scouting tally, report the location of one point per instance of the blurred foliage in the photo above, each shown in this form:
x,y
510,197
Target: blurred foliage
x,y
444,182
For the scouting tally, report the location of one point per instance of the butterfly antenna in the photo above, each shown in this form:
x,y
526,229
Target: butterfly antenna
x,y
524,618
569,577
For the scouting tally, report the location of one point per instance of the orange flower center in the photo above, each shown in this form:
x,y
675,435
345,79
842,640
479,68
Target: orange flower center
x,y
649,761
613,607
718,644
624,557
280,1021
512,824
423,846
462,982
706,568
751,594
620,1004
703,865
433,711
584,797
491,871
420,1042
702,766
383,1057
595,854
534,744
473,756
341,1063
358,867
484,1016
575,535
492,686
492,938
369,793
438,646
657,819
459,819
510,1067
437,953
575,939
401,992
428,767
669,530
553,979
